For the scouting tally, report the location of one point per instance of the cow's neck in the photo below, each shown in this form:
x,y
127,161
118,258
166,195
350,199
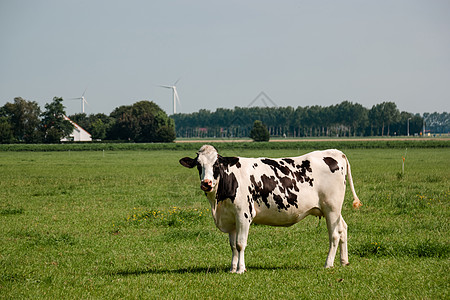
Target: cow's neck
x,y
213,202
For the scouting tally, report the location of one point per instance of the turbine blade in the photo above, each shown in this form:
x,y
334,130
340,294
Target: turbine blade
x,y
84,91
177,81
166,86
176,95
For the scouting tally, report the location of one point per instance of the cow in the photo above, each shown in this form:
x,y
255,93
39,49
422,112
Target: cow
x,y
276,192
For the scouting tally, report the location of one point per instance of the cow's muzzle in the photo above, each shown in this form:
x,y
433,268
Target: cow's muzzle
x,y
206,185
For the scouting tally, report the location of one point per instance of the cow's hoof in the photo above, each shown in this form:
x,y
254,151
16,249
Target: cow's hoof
x,y
241,271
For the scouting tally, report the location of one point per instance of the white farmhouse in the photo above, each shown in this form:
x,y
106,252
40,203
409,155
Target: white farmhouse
x,y
78,134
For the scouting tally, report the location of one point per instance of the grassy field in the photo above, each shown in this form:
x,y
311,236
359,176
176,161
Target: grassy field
x,y
134,224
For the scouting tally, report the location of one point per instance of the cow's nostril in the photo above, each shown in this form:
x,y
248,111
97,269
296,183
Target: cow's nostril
x,y
206,185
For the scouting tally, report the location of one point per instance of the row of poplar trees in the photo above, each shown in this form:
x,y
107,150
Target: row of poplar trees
x,y
344,119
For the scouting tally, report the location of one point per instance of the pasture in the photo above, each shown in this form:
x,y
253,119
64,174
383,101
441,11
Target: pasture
x,y
135,224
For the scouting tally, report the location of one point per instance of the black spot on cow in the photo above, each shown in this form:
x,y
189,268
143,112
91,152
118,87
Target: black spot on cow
x,y
262,189
292,199
306,164
270,162
253,190
217,170
255,165
279,202
332,164
224,163
229,161
276,166
245,215
301,175
288,183
289,161
227,186
269,183
250,205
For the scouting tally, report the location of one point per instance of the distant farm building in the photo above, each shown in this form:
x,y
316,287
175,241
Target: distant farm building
x,y
78,134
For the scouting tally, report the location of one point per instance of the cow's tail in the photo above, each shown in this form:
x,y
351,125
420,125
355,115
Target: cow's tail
x,y
356,202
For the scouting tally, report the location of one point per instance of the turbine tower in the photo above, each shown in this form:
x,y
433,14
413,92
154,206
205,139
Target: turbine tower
x,y
175,94
83,100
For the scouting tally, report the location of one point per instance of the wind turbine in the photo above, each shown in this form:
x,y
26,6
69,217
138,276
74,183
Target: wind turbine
x,y
83,100
175,94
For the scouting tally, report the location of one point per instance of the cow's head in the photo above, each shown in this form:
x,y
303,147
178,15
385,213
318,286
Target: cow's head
x,y
210,165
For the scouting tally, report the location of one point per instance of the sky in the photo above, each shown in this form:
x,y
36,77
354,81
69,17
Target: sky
x,y
225,53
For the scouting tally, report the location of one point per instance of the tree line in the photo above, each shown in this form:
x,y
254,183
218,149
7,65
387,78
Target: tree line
x,y
344,119
23,122
437,122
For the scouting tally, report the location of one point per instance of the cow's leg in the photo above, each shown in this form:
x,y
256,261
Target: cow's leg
x,y
343,242
235,254
333,224
241,242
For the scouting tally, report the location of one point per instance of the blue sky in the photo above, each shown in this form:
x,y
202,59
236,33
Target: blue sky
x,y
300,53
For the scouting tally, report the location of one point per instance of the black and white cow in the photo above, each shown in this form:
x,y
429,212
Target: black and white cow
x,y
277,192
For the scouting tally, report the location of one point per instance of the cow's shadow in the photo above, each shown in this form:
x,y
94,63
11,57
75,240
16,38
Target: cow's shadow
x,y
200,270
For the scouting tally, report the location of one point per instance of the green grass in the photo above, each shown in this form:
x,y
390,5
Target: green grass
x,y
134,224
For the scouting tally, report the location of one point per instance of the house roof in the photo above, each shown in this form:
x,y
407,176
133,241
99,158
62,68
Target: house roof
x,y
78,127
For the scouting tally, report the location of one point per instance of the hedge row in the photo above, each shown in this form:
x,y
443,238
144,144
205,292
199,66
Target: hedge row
x,y
319,144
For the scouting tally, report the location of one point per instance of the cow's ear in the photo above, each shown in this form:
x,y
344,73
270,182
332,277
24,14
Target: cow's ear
x,y
230,161
188,162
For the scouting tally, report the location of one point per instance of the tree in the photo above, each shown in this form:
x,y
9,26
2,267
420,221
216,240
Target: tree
x,y
98,130
166,133
259,132
120,129
297,122
6,133
383,115
144,121
313,119
54,126
23,117
354,116
390,114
